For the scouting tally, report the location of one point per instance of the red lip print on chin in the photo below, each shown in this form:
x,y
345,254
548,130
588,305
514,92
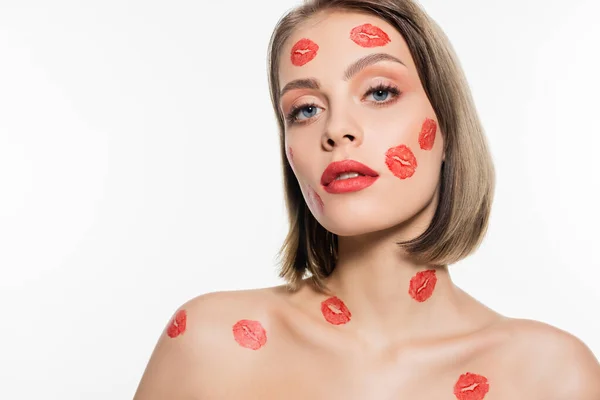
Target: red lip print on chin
x,y
471,387
177,325
303,51
427,135
422,285
249,334
367,35
401,161
335,311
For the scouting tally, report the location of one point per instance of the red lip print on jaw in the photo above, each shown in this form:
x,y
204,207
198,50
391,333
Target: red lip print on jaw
x,y
422,285
401,161
249,334
177,324
427,135
335,311
303,51
314,200
367,35
471,387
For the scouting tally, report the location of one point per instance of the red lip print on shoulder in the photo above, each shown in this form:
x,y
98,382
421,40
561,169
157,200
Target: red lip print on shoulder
x,y
177,325
427,135
368,35
303,51
471,387
422,285
249,334
335,311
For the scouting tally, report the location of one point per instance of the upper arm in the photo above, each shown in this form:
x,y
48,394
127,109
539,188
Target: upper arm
x,y
179,355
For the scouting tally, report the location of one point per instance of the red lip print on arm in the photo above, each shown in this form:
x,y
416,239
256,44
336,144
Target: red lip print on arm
x,y
303,51
422,285
471,387
427,135
335,311
401,161
368,35
177,325
249,334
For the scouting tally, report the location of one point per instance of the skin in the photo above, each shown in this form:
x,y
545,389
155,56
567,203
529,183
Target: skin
x,y
389,345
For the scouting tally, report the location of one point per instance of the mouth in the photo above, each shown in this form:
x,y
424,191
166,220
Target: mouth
x,y
347,176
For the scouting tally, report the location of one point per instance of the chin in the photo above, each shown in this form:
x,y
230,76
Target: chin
x,y
344,222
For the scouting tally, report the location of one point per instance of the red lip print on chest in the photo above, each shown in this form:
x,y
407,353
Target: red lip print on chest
x,y
471,387
249,334
177,324
303,51
401,161
422,285
368,35
335,311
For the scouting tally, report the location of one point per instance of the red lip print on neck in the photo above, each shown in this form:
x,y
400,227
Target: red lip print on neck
x,y
303,51
367,35
335,311
401,161
471,387
177,324
422,285
427,135
249,334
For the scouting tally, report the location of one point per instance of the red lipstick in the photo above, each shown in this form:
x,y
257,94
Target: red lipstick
x,y
427,135
401,161
367,35
177,324
303,51
365,179
335,311
471,387
422,285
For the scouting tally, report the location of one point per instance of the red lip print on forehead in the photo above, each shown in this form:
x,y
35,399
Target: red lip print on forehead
x,y
303,51
471,387
422,285
401,161
368,35
177,324
427,135
335,311
249,334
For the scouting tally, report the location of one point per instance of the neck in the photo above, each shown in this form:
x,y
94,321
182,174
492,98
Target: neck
x,y
372,277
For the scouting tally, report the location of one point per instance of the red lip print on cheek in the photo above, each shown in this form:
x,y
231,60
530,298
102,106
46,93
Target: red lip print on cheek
x,y
249,334
290,153
177,325
335,311
422,284
471,387
427,135
401,161
367,35
303,51
314,200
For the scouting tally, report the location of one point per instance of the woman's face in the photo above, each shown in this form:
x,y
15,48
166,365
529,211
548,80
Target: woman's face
x,y
375,113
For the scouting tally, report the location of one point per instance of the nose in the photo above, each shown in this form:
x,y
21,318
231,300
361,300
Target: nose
x,y
341,130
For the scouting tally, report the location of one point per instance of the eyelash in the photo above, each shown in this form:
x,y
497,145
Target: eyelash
x,y
291,117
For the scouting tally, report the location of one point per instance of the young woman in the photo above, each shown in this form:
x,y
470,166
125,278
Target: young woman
x,y
388,180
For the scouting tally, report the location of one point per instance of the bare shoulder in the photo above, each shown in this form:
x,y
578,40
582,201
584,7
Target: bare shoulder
x,y
196,342
555,360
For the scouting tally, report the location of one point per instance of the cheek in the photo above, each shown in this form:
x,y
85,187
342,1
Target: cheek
x,y
427,134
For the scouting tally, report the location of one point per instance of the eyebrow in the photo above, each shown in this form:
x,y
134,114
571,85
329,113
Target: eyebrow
x,y
353,69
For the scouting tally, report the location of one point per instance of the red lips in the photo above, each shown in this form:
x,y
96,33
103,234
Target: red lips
x,y
303,51
367,35
339,167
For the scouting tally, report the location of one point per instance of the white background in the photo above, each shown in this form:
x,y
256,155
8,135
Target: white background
x,y
139,168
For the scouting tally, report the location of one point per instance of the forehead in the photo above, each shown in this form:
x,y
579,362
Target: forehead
x,y
331,32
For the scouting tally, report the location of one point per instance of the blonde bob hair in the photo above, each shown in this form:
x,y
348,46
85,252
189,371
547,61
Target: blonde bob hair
x,y
467,177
